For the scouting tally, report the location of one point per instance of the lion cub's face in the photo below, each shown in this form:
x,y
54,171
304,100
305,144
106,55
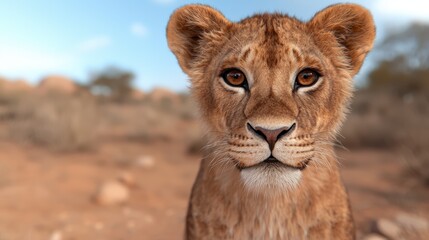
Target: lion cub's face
x,y
272,89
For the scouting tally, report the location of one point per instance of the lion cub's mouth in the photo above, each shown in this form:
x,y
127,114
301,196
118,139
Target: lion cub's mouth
x,y
272,162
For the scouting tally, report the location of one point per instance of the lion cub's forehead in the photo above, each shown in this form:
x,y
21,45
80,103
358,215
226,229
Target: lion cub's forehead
x,y
272,39
271,24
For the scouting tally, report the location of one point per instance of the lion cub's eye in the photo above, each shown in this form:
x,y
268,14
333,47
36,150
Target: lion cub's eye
x,y
306,78
234,77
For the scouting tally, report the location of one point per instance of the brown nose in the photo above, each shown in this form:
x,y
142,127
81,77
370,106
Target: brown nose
x,y
271,136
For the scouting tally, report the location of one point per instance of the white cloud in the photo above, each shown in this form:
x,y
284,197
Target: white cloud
x,y
18,59
138,29
165,2
416,10
95,43
32,62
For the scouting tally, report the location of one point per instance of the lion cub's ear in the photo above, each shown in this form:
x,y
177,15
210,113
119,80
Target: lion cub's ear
x,y
352,26
188,28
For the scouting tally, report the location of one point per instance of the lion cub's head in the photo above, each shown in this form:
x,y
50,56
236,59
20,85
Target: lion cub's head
x,y
273,89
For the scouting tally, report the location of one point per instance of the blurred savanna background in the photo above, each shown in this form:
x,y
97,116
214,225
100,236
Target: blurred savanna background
x,y
100,140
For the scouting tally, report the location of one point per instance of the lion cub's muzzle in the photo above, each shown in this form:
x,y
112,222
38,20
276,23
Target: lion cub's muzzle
x,y
272,136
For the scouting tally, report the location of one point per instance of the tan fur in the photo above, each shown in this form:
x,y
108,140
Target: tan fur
x,y
276,203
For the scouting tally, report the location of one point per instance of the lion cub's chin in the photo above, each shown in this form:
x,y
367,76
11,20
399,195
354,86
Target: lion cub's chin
x,y
278,179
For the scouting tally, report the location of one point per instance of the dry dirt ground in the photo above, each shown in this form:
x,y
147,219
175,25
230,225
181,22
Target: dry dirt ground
x,y
48,195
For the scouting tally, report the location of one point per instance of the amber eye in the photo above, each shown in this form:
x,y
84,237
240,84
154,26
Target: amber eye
x,y
306,78
234,77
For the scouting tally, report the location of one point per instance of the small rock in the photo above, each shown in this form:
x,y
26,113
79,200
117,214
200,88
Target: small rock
x,y
57,235
127,179
131,225
412,221
374,236
98,226
146,162
112,193
148,218
387,228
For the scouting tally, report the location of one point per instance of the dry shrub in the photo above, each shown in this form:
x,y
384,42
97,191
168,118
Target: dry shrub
x,y
371,122
7,98
415,149
381,119
138,122
9,101
150,120
60,122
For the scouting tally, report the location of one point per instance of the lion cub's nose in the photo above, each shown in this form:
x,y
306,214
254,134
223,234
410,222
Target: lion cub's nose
x,y
271,135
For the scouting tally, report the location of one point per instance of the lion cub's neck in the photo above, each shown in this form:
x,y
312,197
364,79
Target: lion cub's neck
x,y
219,197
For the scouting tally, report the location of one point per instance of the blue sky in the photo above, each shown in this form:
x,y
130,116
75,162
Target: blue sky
x,y
77,38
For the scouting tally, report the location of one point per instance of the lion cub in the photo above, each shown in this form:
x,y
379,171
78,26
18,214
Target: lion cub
x,y
273,92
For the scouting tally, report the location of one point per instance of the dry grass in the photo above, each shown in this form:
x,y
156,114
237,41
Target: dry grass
x,y
77,122
60,122
149,120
